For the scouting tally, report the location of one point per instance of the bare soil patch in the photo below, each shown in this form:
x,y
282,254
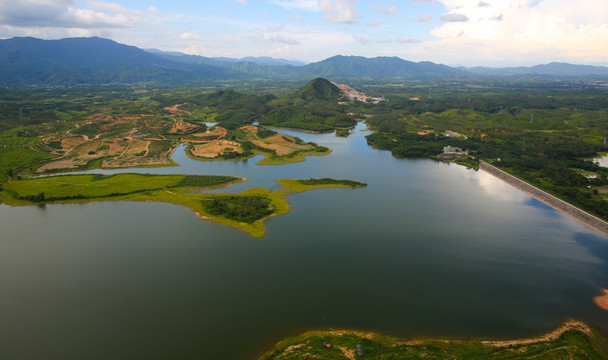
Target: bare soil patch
x,y
69,143
551,336
85,148
117,146
602,300
250,128
182,127
216,148
218,132
281,144
175,110
131,161
355,95
137,147
61,164
348,353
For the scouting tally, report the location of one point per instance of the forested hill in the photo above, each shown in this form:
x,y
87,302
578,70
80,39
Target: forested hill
x,y
379,68
91,61
552,69
318,89
96,61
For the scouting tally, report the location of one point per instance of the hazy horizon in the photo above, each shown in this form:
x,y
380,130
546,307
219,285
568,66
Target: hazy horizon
x,y
453,32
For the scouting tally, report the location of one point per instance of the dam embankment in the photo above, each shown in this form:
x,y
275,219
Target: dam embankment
x,y
577,214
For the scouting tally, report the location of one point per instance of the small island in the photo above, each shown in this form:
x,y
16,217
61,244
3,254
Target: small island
x,y
572,340
246,211
219,143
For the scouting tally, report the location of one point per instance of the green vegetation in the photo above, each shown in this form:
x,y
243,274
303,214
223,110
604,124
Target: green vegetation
x,y
240,208
204,180
329,181
66,130
246,211
66,187
296,185
314,108
540,132
543,132
296,156
246,141
575,342
342,132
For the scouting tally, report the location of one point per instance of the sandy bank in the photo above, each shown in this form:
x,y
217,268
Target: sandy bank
x,y
602,300
572,211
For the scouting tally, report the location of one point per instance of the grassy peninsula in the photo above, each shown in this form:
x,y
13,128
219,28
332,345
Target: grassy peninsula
x,y
246,211
573,340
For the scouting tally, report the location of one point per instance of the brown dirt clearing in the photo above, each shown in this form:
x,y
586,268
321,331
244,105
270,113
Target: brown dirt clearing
x,y
218,132
281,144
216,148
602,300
176,111
182,127
61,164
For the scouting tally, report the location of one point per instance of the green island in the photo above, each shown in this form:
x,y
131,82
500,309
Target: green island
x,y
573,340
342,132
245,211
249,140
299,185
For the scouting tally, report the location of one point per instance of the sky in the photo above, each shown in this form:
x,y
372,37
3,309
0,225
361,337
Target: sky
x,y
468,33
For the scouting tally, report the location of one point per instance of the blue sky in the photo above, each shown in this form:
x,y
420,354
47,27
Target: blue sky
x,y
453,32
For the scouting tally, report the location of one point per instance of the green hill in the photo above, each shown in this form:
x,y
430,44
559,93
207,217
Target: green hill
x,y
314,107
318,89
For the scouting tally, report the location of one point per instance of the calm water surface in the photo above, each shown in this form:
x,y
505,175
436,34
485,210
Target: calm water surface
x,y
426,249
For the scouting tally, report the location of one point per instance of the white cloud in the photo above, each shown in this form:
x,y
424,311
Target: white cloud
x,y
310,5
276,37
407,40
424,18
454,18
296,18
386,10
62,14
524,31
339,11
361,39
244,2
188,36
375,23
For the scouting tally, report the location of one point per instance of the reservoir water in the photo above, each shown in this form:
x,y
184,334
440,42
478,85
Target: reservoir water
x,y
427,248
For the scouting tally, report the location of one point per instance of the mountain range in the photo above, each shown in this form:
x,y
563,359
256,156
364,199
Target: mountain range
x,y
93,61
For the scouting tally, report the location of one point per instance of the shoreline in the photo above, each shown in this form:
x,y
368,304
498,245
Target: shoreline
x,y
591,221
344,340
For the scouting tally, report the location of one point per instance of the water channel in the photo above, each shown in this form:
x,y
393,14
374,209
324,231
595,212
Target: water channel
x,y
427,248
